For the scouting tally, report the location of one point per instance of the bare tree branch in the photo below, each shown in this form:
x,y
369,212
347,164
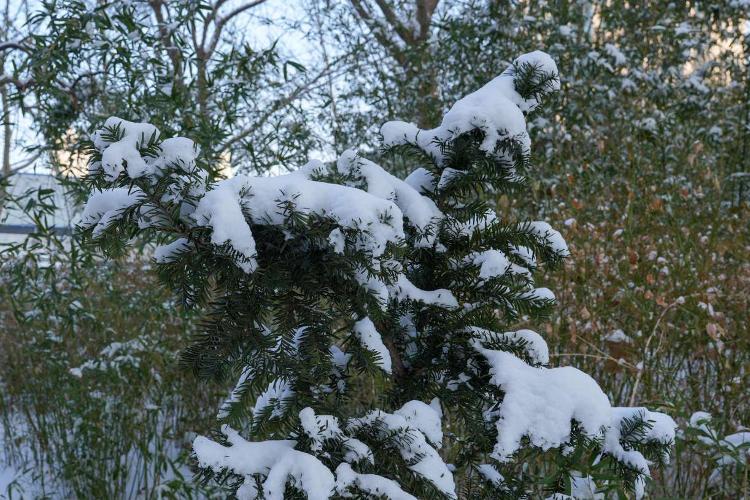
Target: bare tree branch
x,y
204,54
211,16
173,52
25,162
16,168
390,16
221,21
279,104
21,85
425,11
377,31
13,45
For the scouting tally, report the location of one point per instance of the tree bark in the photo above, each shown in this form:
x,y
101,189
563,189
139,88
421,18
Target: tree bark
x,y
416,59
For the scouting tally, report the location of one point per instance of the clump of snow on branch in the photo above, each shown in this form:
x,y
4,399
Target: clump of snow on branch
x,y
497,109
425,418
406,290
277,462
377,486
105,207
494,263
378,221
541,403
236,393
365,331
535,346
662,430
124,153
232,205
167,253
424,460
419,210
552,236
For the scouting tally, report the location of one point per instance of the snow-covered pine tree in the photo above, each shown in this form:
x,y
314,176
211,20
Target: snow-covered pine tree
x,y
364,320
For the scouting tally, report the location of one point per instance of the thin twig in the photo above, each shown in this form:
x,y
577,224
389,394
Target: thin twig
x,y
639,376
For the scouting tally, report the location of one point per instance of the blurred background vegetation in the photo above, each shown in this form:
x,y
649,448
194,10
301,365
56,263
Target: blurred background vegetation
x,y
642,161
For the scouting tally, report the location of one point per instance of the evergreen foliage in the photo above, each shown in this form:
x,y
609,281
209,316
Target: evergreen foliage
x,y
364,321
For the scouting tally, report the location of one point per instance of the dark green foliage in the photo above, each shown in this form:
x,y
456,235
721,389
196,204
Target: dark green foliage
x,y
278,326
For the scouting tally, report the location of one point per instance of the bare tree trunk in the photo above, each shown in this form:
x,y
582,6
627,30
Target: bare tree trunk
x,y
335,125
429,110
4,96
416,58
6,171
7,132
6,145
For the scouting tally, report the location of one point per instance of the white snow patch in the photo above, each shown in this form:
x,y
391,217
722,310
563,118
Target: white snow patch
x,y
423,417
377,486
377,221
541,402
167,253
277,461
105,207
424,459
365,331
552,237
535,345
122,154
496,108
406,290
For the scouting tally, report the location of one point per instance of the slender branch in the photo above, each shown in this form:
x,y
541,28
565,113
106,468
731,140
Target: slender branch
x,y
6,119
14,45
204,54
26,162
331,90
80,77
281,103
594,356
380,36
390,16
639,376
211,16
221,21
14,169
21,85
7,130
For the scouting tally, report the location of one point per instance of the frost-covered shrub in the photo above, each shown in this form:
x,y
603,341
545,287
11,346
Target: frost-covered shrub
x,y
339,277
729,455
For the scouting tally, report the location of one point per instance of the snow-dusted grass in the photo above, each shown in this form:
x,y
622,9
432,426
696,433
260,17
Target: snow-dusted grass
x,y
92,403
